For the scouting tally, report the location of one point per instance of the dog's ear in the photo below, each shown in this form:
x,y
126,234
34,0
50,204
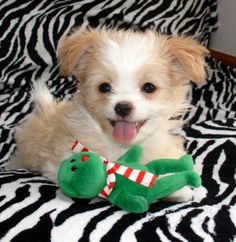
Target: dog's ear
x,y
188,58
73,48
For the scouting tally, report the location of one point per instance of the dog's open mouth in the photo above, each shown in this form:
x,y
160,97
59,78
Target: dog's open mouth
x,y
125,131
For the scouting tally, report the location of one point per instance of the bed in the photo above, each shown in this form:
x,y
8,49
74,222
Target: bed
x,y
32,208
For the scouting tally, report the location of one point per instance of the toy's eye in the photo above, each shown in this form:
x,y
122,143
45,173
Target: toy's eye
x,y
84,158
74,168
72,160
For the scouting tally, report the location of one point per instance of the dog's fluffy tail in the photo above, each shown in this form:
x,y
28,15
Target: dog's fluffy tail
x,y
44,100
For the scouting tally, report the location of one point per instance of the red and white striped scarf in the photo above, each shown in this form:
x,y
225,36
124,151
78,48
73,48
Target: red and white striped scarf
x,y
144,178
78,147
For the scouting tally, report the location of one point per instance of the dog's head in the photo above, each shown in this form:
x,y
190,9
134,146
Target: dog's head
x,y
130,82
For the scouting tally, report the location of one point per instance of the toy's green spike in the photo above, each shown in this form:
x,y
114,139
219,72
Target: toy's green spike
x,y
133,155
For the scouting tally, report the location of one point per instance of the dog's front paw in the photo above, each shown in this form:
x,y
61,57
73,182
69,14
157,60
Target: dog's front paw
x,y
185,194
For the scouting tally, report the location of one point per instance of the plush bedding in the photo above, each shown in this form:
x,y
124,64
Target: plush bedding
x,y
32,208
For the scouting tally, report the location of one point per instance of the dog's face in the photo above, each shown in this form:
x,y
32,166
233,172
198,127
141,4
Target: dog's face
x,y
131,83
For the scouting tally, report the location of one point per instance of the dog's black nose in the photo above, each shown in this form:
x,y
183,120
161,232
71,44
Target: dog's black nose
x,y
123,109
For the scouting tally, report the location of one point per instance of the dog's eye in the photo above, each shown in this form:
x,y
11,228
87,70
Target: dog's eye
x,y
104,87
149,88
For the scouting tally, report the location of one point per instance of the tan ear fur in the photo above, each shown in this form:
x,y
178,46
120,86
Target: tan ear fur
x,y
72,49
191,57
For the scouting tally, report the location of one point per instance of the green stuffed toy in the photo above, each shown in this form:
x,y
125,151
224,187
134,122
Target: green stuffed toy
x,y
126,183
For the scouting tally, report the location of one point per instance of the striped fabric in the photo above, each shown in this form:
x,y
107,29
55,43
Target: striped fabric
x,y
32,208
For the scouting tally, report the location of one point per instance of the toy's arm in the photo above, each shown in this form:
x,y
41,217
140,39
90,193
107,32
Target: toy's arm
x,y
132,155
128,202
163,166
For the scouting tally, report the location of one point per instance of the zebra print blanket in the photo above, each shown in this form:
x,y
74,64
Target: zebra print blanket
x,y
32,208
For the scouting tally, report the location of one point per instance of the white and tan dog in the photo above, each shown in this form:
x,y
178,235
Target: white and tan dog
x,y
132,85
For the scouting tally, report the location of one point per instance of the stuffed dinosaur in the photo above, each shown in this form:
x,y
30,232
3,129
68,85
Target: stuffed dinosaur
x,y
126,183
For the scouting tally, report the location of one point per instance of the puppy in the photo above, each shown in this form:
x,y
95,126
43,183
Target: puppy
x,y
132,86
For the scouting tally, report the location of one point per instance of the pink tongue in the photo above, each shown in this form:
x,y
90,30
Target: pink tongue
x,y
124,132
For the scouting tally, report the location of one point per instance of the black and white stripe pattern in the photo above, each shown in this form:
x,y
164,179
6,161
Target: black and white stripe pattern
x,y
32,208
